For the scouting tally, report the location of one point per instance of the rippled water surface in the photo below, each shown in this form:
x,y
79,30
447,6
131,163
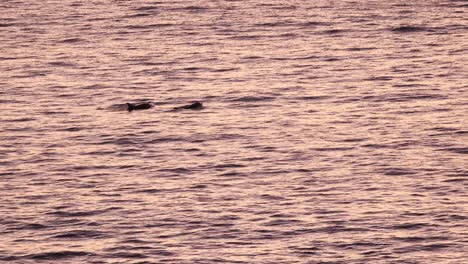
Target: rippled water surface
x,y
333,131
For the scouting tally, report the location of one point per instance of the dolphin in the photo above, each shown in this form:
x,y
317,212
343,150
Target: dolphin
x,y
138,106
194,106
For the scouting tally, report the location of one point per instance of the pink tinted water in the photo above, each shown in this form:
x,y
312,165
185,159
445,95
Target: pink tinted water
x,y
331,133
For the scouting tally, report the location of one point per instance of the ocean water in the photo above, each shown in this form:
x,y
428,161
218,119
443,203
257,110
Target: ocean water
x,y
333,132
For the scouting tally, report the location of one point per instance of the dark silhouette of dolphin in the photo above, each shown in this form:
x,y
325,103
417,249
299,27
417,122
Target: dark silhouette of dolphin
x,y
193,106
140,106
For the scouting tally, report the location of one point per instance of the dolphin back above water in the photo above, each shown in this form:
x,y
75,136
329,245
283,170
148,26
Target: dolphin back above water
x,y
194,106
138,106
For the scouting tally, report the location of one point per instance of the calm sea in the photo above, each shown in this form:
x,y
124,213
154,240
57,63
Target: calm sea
x,y
333,132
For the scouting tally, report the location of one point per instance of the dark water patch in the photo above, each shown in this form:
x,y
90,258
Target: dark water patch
x,y
331,59
253,99
315,23
444,129
419,248
91,167
147,8
311,98
272,197
62,213
71,40
2,25
420,239
228,165
252,57
379,78
353,140
246,37
274,24
402,97
332,149
199,186
360,244
281,222
451,218
193,69
194,9
463,150
253,158
94,86
407,29
166,140
225,70
70,129
57,255
333,31
284,7
33,226
150,191
377,146
457,180
20,120
139,15
61,64
127,255
232,174
397,171
136,241
361,48
79,234
333,229
176,170
150,26
410,226
415,29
